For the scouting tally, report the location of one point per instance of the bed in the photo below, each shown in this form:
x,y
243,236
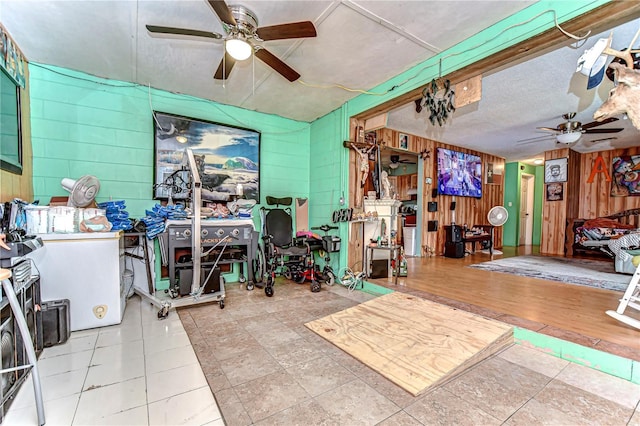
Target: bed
x,y
594,235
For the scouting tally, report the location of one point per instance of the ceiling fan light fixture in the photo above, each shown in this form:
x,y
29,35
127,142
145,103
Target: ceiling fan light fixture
x,y
569,137
393,165
238,48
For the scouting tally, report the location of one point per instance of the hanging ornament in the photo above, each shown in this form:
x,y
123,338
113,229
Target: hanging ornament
x,y
438,99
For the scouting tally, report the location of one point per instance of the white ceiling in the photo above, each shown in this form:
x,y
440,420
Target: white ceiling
x,y
360,44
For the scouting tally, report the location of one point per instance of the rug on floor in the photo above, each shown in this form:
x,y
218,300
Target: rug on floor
x,y
415,343
586,272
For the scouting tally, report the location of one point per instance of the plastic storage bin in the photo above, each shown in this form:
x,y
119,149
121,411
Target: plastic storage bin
x,y
37,219
331,243
409,235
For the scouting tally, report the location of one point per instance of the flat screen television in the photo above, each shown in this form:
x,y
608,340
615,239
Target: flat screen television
x,y
459,173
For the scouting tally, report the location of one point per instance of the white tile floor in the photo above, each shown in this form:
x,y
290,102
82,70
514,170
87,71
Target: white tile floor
x,y
140,372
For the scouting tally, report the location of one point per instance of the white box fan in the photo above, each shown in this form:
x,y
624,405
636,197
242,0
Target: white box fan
x,y
83,191
497,216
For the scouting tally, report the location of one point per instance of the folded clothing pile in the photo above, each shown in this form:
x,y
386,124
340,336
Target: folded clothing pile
x,y
242,208
117,214
155,219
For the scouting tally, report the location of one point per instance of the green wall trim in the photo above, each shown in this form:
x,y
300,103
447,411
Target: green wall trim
x,y
371,288
607,363
512,191
516,28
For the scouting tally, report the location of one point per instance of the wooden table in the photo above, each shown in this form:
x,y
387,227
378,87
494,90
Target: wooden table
x,y
486,235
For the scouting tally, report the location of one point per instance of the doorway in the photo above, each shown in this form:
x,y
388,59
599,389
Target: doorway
x,y
527,191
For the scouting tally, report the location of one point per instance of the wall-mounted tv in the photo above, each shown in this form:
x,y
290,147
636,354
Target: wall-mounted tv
x,y
459,173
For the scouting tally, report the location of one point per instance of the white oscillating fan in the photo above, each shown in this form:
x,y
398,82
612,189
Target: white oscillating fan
x,y
82,191
497,216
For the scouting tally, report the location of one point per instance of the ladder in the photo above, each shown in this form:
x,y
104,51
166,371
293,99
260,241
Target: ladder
x,y
630,299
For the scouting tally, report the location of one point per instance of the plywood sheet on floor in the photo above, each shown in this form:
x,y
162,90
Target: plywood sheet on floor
x,y
413,342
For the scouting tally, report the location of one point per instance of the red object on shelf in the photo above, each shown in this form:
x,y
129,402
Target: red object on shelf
x,y
410,220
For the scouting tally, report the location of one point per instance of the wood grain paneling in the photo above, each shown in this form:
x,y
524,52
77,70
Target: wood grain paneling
x,y
415,343
472,211
582,200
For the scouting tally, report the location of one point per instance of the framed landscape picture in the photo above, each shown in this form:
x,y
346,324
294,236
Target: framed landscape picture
x,y
226,157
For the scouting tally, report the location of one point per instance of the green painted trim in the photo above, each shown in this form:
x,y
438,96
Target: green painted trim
x,y
537,205
520,26
511,203
371,288
607,363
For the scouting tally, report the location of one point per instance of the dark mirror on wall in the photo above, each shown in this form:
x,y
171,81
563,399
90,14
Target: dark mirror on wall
x,y
10,134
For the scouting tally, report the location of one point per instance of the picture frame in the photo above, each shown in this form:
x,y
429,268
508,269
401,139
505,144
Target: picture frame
x,y
403,141
554,191
370,138
555,170
228,159
625,180
489,173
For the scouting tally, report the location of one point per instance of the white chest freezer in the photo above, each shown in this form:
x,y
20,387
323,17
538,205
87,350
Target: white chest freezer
x,y
87,269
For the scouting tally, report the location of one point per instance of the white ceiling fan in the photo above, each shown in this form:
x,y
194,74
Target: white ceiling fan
x,y
570,132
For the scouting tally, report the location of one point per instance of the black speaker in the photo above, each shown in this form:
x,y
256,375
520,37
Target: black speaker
x,y
455,250
434,193
453,233
432,206
432,225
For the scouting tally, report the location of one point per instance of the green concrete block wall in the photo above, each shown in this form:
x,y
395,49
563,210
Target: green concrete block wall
x,y
81,125
328,180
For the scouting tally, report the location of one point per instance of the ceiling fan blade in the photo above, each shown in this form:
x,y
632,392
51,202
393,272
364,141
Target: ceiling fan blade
x,y
270,59
610,130
603,139
284,31
534,139
599,123
548,129
182,31
224,69
223,12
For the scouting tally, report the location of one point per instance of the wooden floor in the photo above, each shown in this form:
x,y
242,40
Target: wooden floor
x,y
570,312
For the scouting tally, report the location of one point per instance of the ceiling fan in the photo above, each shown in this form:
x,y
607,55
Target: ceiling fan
x,y
570,131
396,161
243,36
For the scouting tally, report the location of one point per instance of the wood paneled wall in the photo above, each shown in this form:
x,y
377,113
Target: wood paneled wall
x,y
582,200
595,198
472,211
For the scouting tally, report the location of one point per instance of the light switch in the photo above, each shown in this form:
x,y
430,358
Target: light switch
x,y
510,204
